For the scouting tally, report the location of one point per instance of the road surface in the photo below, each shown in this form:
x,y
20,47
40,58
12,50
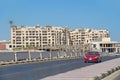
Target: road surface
x,y
37,71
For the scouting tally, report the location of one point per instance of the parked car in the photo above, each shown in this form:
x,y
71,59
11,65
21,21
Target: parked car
x,y
92,56
117,54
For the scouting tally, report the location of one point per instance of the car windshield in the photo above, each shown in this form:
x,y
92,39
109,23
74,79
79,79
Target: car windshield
x,y
92,53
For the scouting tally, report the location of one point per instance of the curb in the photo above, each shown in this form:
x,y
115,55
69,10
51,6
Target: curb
x,y
105,74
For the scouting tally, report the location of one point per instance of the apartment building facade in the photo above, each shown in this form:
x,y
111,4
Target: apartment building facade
x,y
84,36
37,36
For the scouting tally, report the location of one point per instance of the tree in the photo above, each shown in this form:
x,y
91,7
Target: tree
x,y
11,22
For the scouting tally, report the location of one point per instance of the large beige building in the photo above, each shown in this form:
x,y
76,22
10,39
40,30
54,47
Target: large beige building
x,y
85,36
38,36
22,37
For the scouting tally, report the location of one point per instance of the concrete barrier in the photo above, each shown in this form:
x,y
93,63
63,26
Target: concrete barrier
x,y
94,78
100,76
105,74
112,76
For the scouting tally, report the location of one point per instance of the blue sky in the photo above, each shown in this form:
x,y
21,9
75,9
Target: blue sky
x,y
94,14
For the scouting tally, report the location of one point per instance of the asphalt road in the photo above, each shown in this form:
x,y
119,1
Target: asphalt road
x,y
37,71
118,78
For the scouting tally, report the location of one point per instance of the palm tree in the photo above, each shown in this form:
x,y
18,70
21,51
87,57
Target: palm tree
x,y
11,22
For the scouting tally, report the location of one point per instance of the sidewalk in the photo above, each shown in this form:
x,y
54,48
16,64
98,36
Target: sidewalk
x,y
86,73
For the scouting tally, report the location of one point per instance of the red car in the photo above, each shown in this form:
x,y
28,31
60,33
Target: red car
x,y
92,56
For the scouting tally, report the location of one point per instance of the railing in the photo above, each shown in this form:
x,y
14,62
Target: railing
x,y
17,57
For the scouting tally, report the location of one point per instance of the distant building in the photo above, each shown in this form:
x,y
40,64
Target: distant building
x,y
106,45
4,45
22,37
85,36
37,36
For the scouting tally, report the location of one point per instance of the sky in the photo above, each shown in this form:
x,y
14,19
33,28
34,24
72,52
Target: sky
x,y
93,14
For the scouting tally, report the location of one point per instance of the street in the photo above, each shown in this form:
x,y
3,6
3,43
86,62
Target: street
x,y
35,71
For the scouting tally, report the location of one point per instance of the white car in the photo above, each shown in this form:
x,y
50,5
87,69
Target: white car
x,y
117,53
